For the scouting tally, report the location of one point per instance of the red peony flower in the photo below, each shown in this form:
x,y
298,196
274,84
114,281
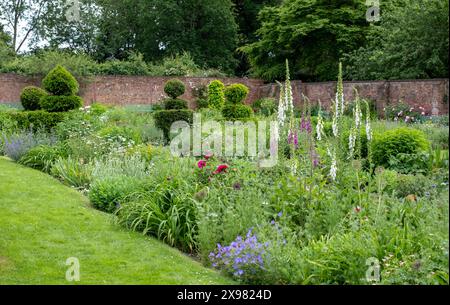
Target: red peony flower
x,y
358,209
201,164
208,156
220,169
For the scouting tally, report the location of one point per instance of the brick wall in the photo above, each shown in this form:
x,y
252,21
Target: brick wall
x,y
124,90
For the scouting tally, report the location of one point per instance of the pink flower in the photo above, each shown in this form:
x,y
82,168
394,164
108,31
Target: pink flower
x,y
201,164
221,168
423,112
208,156
358,209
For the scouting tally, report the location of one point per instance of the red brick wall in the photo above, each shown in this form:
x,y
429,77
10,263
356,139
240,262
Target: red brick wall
x,y
123,90
431,94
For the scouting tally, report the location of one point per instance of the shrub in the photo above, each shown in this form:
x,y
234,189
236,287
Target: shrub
x,y
420,163
171,104
165,118
31,97
216,96
121,134
395,142
107,194
265,106
36,119
131,165
174,88
405,185
54,103
236,93
59,81
41,157
237,111
202,103
72,172
17,144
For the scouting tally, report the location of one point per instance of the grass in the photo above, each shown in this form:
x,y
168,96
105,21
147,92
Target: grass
x,y
43,223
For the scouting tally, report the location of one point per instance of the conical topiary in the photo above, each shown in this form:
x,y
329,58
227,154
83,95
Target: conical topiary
x,y
59,82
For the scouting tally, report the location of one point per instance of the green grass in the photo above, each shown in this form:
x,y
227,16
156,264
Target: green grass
x,y
42,223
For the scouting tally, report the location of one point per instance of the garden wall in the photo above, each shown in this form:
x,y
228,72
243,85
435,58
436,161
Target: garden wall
x,y
124,90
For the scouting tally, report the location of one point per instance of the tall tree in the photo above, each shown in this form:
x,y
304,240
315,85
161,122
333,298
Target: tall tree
x,y
246,12
411,41
22,18
312,34
6,51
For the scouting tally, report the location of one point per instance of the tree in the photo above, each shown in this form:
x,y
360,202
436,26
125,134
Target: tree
x,y
246,12
15,13
161,28
6,51
411,41
312,34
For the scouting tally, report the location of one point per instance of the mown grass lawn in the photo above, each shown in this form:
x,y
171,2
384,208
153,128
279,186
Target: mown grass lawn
x,y
42,223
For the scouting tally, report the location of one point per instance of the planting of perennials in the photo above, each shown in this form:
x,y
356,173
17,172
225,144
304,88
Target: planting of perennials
x,y
356,195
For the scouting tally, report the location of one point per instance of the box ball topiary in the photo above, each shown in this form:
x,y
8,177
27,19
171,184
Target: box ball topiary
x,y
52,103
31,97
395,142
236,93
59,81
174,88
216,96
171,104
237,111
165,118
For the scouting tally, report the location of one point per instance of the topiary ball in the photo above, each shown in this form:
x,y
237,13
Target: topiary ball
x,y
174,88
170,104
236,112
31,97
236,93
52,103
59,81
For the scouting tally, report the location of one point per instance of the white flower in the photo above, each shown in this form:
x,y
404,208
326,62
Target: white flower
x,y
335,127
319,128
352,143
368,130
333,170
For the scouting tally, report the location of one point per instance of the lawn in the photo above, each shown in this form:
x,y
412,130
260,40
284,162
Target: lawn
x,y
42,223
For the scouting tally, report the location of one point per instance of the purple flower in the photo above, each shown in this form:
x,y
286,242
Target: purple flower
x,y
280,214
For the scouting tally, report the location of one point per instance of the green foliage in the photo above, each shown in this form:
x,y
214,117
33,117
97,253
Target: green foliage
x,y
61,103
202,103
418,163
59,81
236,93
216,95
120,134
237,111
165,118
411,41
36,119
405,185
174,88
395,142
73,172
108,193
42,157
312,35
31,96
265,106
175,104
